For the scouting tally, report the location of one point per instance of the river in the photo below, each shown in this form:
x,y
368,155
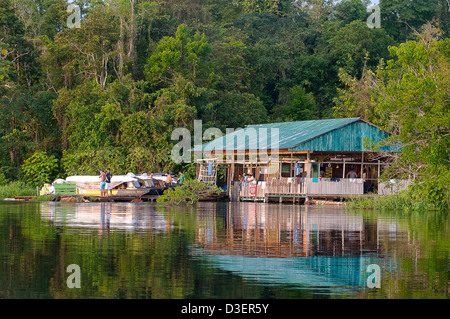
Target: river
x,y
220,250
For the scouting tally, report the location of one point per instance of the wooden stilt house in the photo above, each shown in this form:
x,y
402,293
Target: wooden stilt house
x,y
316,158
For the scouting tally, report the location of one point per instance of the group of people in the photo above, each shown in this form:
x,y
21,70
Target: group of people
x,y
105,181
246,179
169,182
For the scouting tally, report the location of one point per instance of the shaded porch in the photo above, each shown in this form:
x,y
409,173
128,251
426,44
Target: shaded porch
x,y
300,176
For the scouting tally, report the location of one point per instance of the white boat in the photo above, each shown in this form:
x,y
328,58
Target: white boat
x,y
122,185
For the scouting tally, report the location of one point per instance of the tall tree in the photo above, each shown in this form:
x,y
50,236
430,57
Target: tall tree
x,y
410,97
400,17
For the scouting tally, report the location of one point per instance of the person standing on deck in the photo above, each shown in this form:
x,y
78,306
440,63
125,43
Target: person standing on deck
x,y
182,178
352,175
169,181
102,182
364,177
108,182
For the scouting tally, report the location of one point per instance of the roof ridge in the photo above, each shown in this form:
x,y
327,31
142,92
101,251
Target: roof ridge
x,y
329,119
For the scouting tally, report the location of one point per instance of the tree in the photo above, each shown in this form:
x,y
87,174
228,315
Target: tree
x,y
300,106
18,143
40,168
233,109
180,55
410,97
278,7
355,46
347,11
401,17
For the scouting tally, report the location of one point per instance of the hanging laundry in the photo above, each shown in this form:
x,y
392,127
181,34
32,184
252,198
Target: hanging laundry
x,y
210,168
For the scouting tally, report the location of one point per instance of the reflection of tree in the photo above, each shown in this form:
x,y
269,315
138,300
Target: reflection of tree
x,y
420,246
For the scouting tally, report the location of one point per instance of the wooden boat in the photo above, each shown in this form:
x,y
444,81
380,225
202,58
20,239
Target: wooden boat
x,y
122,185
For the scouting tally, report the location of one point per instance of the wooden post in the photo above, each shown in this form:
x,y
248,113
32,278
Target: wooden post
x,y
362,169
379,170
280,166
362,166
232,171
308,167
308,170
228,180
290,165
343,170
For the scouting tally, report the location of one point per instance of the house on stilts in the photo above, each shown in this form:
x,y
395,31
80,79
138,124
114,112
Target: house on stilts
x,y
330,158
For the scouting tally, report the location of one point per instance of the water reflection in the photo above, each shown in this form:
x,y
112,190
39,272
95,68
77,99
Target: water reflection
x,y
224,250
299,246
266,230
106,216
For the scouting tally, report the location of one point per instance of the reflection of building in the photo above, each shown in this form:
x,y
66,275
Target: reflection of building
x,y
255,229
317,271
324,248
110,216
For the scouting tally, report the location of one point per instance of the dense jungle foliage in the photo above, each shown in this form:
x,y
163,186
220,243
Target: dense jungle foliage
x,y
110,92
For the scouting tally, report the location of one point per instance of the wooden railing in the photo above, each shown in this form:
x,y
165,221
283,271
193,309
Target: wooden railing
x,y
343,186
303,186
285,185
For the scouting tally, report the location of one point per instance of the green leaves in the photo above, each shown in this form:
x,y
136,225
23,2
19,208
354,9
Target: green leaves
x,y
354,46
179,55
188,193
410,96
136,70
40,168
300,106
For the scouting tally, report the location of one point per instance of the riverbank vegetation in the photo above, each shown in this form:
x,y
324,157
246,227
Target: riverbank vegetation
x,y
190,192
16,188
110,93
410,96
404,201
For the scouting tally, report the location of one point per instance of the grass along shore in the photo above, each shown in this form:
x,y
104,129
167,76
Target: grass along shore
x,y
16,188
403,201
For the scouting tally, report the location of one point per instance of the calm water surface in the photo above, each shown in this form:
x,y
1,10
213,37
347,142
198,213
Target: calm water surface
x,y
220,250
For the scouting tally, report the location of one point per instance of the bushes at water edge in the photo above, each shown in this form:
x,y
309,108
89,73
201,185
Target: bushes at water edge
x,y
16,188
405,201
187,193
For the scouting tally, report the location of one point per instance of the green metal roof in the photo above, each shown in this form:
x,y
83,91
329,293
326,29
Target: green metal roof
x,y
345,134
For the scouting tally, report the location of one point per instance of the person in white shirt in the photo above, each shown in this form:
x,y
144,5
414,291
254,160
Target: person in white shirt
x,y
50,190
